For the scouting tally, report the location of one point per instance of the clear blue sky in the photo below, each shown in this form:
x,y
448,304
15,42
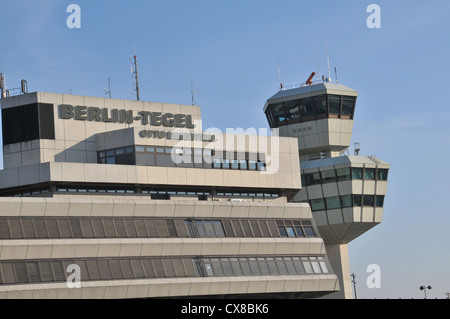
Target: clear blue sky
x,y
230,49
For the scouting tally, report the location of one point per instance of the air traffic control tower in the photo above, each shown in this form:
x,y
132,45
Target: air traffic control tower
x,y
346,193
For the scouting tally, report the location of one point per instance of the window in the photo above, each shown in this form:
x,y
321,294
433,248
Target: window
x,y
368,200
382,174
313,179
335,104
306,108
343,174
379,201
369,173
333,202
346,201
329,176
357,200
357,173
317,204
320,103
348,104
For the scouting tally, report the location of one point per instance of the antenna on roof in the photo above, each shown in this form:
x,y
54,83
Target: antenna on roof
x,y
335,71
193,92
109,86
328,60
279,73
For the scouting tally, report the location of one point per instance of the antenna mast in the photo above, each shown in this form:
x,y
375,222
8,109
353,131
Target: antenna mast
x,y
279,73
328,60
193,92
109,86
136,77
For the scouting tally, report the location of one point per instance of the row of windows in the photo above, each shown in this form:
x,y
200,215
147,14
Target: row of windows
x,y
345,174
311,109
263,266
49,271
46,271
180,157
154,194
346,201
53,227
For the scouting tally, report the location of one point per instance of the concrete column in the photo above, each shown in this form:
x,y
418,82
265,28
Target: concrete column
x,y
338,257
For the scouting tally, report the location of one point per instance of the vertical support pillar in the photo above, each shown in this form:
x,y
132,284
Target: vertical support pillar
x,y
338,257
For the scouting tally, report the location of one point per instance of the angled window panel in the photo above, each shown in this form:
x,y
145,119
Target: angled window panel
x,y
76,227
4,228
86,228
8,273
169,268
120,228
138,269
130,227
141,229
127,269
28,228
46,271
110,231
148,268
16,228
181,229
93,270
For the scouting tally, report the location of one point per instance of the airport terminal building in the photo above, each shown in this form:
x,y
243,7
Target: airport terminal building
x,y
141,203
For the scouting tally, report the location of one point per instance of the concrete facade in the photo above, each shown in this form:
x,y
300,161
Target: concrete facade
x,y
97,184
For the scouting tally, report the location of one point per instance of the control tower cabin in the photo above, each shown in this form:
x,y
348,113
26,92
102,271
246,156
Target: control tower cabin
x,y
346,193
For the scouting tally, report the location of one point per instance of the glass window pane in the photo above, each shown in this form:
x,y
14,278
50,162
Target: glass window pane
x,y
307,266
299,231
343,174
209,228
329,176
347,105
281,266
333,202
313,179
357,173
324,267
316,267
369,173
346,200
254,267
209,270
218,228
317,204
245,267
282,231
379,201
33,272
335,104
290,231
278,112
306,108
382,174
320,103
368,200
200,229
292,110
357,200
309,230
46,270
